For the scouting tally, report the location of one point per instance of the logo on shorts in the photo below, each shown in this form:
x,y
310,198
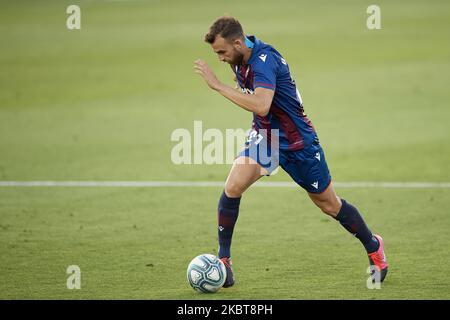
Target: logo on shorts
x,y
315,184
317,156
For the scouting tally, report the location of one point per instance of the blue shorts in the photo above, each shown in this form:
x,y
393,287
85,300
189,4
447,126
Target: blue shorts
x,y
307,167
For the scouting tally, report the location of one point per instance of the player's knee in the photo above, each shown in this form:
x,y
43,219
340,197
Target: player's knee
x,y
328,208
233,189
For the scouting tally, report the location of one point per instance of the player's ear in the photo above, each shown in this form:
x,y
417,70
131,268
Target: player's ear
x,y
238,43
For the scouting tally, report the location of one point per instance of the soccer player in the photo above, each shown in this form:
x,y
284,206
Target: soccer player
x,y
269,92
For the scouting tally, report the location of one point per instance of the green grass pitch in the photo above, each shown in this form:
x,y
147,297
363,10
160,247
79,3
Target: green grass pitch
x,y
100,104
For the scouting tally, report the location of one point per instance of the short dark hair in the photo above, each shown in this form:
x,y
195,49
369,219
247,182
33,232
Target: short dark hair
x,y
227,27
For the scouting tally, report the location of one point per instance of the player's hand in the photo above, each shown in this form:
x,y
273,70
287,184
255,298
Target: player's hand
x,y
202,68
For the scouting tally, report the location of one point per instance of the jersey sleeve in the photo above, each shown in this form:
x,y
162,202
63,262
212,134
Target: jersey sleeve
x,y
264,72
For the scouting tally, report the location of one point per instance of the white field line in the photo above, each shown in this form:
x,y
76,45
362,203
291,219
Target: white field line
x,y
157,184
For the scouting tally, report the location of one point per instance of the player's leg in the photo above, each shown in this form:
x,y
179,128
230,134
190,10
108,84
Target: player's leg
x,y
250,165
244,172
309,169
350,218
327,201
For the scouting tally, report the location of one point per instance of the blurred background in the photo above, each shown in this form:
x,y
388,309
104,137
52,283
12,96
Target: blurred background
x,y
100,104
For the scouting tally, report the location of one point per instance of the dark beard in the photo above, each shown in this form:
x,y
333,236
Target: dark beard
x,y
238,59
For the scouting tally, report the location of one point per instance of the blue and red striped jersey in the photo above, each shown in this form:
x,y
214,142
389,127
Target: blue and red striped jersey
x,y
266,68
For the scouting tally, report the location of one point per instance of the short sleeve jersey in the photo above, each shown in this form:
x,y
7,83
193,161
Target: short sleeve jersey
x,y
266,68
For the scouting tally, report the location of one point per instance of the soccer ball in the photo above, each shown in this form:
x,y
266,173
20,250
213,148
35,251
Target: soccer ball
x,y
206,273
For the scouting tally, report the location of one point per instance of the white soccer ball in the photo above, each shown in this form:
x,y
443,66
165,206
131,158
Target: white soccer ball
x,y
206,273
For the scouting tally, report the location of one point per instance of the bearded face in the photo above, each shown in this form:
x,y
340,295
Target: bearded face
x,y
228,51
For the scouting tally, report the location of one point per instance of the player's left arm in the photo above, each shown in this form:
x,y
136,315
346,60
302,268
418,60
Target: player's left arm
x,y
259,102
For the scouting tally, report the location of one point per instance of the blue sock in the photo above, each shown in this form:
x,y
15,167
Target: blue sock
x,y
227,215
352,221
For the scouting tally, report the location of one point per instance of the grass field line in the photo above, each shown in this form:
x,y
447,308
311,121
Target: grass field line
x,y
273,184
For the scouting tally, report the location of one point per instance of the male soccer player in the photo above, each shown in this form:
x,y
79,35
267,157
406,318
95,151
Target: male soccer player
x,y
270,93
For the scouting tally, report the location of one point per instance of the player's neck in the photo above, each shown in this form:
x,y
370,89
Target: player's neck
x,y
247,55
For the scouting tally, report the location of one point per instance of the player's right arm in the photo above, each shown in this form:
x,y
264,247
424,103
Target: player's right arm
x,y
258,103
